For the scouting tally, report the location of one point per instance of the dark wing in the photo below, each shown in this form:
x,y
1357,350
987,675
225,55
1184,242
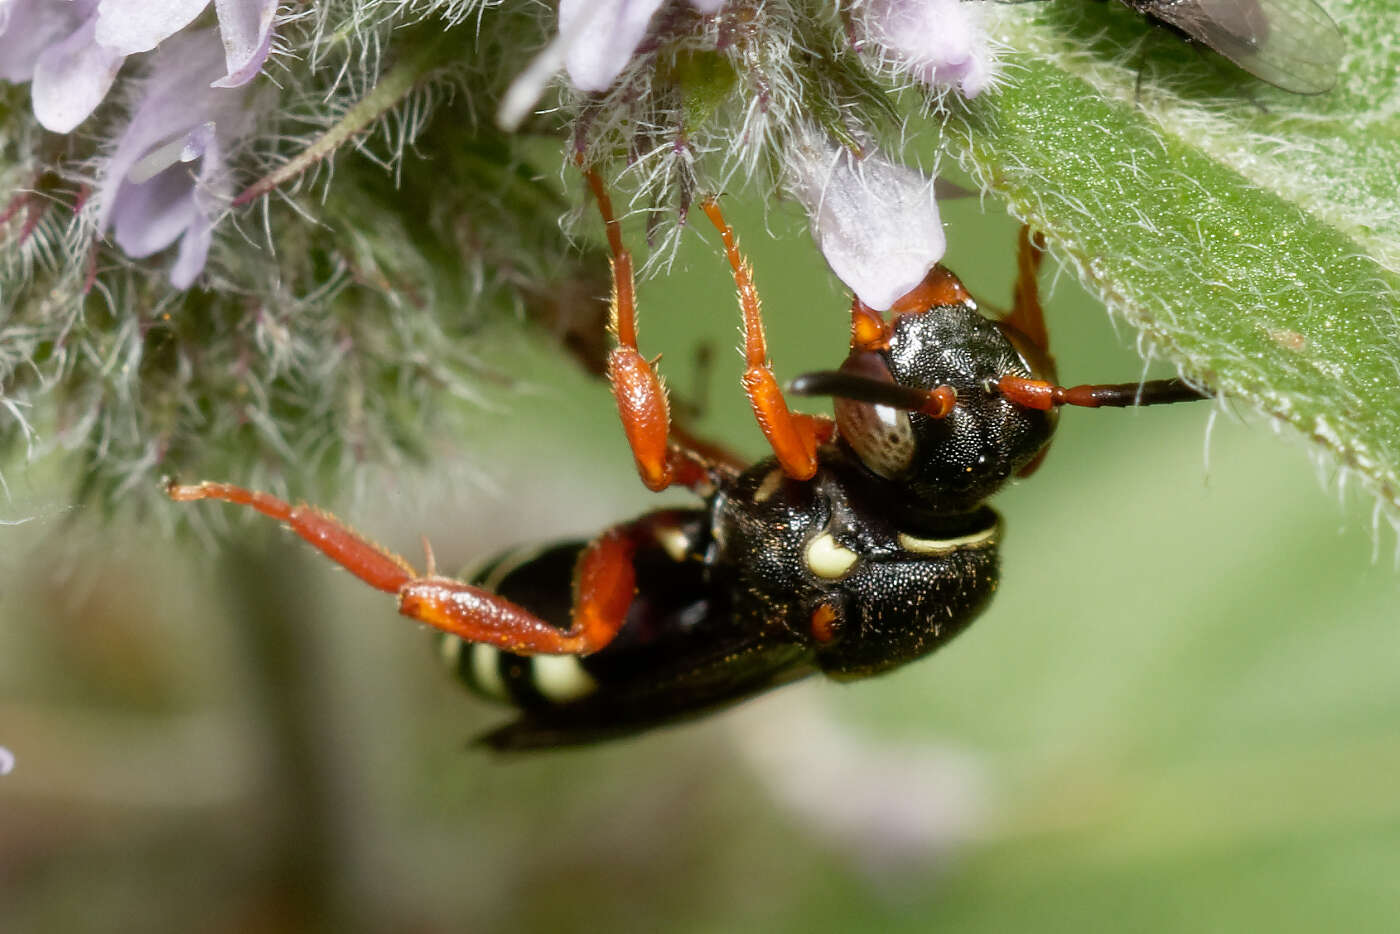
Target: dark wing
x,y
711,677
682,651
1292,44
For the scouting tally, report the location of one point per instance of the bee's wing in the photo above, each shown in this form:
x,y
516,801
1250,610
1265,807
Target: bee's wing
x,y
1292,44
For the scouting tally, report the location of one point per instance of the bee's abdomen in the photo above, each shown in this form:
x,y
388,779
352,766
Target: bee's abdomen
x,y
539,578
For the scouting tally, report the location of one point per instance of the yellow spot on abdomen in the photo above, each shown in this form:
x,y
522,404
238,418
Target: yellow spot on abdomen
x,y
486,671
675,543
562,678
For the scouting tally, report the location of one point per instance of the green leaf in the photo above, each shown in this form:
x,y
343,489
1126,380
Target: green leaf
x,y
1251,235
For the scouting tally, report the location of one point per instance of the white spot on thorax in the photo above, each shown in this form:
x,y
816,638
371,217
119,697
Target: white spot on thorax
x,y
771,481
562,678
717,511
828,559
943,546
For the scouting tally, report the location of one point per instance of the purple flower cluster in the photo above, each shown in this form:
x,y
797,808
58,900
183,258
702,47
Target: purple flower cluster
x,y
164,179
71,50
875,221
167,178
938,42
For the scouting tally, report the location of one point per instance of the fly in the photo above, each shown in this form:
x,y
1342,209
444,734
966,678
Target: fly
x,y
1291,44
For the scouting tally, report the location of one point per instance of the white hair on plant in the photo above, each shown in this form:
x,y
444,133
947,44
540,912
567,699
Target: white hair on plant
x,y
596,41
942,44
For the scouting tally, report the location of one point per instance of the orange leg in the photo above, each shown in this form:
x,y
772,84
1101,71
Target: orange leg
x,y
640,394
1025,327
793,436
1027,314
1025,324
604,580
381,569
604,583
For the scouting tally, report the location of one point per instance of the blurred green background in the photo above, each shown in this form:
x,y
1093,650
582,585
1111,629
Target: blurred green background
x,y
1181,712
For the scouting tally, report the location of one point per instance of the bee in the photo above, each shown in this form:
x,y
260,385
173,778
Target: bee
x,y
864,542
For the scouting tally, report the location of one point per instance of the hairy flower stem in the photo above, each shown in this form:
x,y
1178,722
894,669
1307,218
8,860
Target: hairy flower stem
x,y
396,84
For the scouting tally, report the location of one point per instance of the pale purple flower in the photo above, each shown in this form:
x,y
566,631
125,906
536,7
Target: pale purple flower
x,y
602,35
893,806
72,49
938,42
50,42
28,27
131,26
245,26
71,77
167,178
875,221
595,42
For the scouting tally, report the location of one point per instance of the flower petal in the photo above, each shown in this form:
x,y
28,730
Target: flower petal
x,y
194,251
876,222
246,29
894,807
150,216
212,192
174,101
167,179
72,77
28,28
130,26
601,37
185,148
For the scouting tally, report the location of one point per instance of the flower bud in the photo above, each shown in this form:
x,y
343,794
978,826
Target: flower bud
x,y
875,221
940,43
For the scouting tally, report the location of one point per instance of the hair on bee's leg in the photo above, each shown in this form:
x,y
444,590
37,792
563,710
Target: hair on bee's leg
x,y
640,394
793,436
605,579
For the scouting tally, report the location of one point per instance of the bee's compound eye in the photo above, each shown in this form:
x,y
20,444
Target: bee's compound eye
x,y
881,435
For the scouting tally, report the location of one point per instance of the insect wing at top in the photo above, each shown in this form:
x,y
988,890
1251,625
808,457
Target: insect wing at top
x,y
1292,44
